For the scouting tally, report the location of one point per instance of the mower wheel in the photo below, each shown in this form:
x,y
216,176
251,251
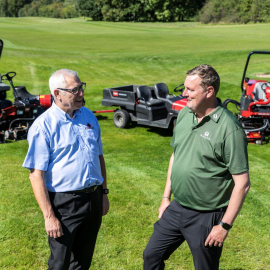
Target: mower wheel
x,y
121,118
259,142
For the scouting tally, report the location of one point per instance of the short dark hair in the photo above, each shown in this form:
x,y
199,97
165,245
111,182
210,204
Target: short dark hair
x,y
208,75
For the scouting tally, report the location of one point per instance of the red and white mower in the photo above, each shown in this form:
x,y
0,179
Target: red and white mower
x,y
254,107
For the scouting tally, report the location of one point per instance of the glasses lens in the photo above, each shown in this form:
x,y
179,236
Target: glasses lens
x,y
75,90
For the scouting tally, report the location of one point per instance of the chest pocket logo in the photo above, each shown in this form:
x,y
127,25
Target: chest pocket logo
x,y
88,126
205,135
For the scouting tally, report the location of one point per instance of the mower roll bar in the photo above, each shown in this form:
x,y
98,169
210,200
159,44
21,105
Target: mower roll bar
x,y
1,47
248,58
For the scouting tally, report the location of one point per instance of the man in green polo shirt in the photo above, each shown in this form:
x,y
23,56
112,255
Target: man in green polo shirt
x,y
207,174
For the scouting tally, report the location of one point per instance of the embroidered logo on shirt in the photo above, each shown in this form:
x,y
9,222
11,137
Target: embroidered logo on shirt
x,y
215,116
205,136
88,126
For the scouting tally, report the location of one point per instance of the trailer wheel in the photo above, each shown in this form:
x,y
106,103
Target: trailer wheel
x,y
121,119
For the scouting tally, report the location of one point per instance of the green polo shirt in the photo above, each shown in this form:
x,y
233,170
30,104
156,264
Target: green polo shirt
x,y
205,157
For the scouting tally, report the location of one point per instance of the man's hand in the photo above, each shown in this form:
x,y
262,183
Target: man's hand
x,y
105,205
216,237
53,227
164,204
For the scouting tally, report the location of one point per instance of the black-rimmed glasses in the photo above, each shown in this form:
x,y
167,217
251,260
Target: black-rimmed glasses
x,y
76,89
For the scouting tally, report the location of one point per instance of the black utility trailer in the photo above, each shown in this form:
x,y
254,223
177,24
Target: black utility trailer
x,y
149,106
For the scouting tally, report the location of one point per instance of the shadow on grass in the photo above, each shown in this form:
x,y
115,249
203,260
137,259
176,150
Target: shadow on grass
x,y
8,141
161,131
101,117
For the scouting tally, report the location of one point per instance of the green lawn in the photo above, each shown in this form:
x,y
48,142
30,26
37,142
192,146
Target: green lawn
x,y
112,54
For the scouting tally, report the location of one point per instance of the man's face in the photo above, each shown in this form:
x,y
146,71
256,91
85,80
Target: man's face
x,y
194,93
69,101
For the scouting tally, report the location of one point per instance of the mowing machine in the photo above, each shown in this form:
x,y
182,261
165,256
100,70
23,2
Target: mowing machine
x,y
16,117
254,106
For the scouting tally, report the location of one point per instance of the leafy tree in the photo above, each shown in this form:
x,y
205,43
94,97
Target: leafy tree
x,y
89,8
10,8
176,10
235,11
3,7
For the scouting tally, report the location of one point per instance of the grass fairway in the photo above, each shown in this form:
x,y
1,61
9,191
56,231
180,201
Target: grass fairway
x,y
112,54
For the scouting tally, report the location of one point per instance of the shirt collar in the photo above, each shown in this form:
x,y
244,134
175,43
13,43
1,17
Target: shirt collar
x,y
63,114
215,115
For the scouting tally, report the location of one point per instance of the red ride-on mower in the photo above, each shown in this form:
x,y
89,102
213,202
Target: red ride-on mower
x,y
254,107
16,117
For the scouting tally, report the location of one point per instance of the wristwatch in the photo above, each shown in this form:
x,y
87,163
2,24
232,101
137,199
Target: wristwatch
x,y
105,191
225,226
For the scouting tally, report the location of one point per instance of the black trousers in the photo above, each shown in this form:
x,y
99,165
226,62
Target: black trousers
x,y
176,225
80,215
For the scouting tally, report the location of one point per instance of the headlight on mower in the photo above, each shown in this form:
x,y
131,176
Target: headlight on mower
x,y
19,112
35,110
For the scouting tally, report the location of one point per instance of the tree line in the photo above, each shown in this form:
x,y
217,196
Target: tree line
x,y
210,11
235,11
106,10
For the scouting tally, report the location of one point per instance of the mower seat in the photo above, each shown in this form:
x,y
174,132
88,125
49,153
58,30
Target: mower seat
x,y
23,93
259,94
145,96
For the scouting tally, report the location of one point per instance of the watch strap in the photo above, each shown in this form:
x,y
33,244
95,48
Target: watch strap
x,y
225,226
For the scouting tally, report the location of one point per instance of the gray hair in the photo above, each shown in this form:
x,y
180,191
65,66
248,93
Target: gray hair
x,y
58,80
208,76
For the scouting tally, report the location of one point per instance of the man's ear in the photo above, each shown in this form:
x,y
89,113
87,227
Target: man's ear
x,y
57,94
210,91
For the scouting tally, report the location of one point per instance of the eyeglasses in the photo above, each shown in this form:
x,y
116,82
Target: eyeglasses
x,y
76,89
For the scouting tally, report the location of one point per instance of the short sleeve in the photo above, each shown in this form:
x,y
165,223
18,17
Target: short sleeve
x,y
99,141
178,119
38,154
235,153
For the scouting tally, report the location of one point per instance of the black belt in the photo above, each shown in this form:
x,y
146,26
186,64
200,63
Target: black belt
x,y
85,190
223,209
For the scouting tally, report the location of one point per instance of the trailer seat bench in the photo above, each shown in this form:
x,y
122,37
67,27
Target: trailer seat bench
x,y
144,94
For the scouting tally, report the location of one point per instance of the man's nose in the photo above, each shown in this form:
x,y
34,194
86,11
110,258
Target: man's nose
x,y
185,93
81,92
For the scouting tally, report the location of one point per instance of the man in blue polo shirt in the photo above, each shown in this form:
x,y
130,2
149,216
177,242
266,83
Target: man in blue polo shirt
x,y
68,174
208,177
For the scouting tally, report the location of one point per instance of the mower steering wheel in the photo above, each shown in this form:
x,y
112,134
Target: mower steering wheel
x,y
264,85
8,76
179,88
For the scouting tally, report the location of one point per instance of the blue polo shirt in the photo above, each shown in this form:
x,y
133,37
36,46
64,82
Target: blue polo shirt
x,y
66,149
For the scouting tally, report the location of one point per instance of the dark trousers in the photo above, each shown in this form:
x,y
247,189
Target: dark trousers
x,y
176,225
80,215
